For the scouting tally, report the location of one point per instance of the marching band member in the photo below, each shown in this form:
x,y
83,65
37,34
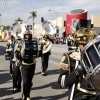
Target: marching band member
x,y
27,69
74,78
9,50
16,67
45,42
70,42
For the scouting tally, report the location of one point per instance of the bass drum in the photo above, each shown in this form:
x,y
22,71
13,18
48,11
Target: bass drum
x,y
91,62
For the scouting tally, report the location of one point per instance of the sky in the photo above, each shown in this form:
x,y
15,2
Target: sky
x,y
11,10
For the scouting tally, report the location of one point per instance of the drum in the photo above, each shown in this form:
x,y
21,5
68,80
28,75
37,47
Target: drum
x,y
29,49
91,62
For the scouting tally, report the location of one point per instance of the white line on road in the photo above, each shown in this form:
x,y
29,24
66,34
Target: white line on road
x,y
53,62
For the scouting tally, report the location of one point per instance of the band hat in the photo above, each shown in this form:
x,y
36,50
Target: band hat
x,y
12,36
84,35
46,34
28,32
17,37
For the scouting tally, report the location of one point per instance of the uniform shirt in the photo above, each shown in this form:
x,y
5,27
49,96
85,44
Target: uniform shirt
x,y
82,91
68,60
45,43
9,46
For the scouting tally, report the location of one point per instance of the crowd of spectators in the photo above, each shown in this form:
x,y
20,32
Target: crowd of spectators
x,y
59,40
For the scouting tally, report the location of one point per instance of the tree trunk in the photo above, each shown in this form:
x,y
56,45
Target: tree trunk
x,y
33,29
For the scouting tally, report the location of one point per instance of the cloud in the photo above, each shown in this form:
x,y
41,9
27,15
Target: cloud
x,y
62,7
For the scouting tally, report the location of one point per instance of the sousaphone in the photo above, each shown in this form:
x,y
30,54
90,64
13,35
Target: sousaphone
x,y
18,29
49,29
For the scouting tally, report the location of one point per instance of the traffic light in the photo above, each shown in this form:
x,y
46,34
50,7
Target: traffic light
x,y
42,19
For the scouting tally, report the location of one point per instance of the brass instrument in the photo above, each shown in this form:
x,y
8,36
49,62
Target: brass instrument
x,y
47,46
18,29
49,29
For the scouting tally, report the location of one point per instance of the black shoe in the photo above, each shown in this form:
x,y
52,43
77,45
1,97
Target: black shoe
x,y
28,98
11,75
43,73
15,90
19,89
25,98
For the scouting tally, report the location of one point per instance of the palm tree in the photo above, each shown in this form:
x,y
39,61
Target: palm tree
x,y
7,27
3,27
33,15
1,23
19,19
0,19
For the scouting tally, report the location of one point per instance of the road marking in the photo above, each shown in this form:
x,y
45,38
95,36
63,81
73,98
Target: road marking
x,y
53,62
57,52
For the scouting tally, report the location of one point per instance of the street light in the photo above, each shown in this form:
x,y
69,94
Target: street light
x,y
56,18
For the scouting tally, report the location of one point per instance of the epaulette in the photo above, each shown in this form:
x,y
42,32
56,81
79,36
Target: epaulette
x,y
75,55
65,62
69,51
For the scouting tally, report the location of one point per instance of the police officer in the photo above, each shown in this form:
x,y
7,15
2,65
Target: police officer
x,y
16,67
9,50
45,56
75,79
27,69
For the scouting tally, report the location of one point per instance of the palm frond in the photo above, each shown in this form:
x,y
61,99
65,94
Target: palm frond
x,y
19,19
33,14
29,17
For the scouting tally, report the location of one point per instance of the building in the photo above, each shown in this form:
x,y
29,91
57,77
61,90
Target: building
x,y
58,25
72,19
95,20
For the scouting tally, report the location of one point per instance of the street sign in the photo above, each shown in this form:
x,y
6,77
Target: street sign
x,y
56,26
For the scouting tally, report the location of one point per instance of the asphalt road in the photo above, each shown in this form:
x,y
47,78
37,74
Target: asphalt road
x,y
44,87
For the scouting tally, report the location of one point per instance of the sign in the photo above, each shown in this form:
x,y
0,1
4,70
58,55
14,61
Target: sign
x,y
29,27
56,26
